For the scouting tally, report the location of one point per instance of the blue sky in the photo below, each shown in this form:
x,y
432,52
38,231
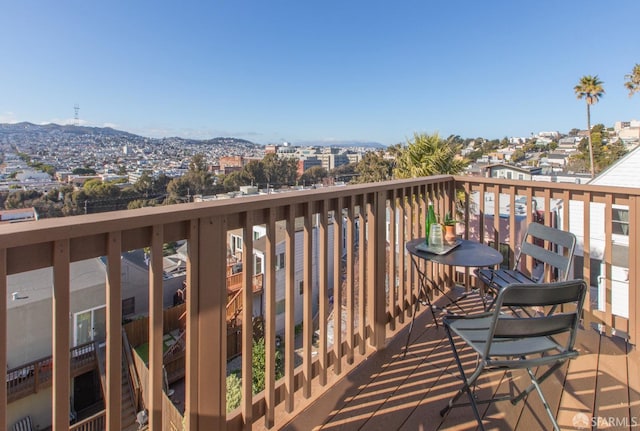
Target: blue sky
x,y
305,70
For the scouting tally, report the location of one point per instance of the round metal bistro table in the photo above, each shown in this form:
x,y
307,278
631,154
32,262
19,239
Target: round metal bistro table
x,y
466,253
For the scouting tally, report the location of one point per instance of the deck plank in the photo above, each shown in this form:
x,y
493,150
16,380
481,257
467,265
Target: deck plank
x,y
578,396
612,395
403,382
388,392
633,365
533,414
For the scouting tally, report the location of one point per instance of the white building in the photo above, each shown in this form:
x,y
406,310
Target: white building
x,y
623,173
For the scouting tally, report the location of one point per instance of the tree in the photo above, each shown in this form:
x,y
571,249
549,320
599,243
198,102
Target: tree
x,y
589,88
280,171
632,80
198,163
373,168
144,183
518,155
141,203
605,153
197,180
314,175
83,171
254,173
344,172
427,155
180,190
233,181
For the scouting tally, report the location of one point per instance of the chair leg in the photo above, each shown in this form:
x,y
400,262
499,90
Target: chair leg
x,y
466,387
535,383
531,387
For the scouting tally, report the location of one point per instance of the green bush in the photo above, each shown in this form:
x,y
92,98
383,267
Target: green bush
x,y
234,392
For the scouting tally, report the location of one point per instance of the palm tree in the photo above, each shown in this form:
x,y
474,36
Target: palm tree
x,y
633,80
428,155
589,88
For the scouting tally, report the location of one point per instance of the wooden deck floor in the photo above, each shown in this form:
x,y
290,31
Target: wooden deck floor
x,y
388,392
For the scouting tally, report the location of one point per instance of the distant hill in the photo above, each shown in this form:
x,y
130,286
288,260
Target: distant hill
x,y
30,128
37,132
72,134
343,144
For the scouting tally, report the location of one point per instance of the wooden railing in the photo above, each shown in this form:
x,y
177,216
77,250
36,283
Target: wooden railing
x,y
96,422
234,282
36,375
372,282
587,211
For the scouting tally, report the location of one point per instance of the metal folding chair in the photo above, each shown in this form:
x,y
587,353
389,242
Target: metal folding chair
x,y
23,424
557,256
503,341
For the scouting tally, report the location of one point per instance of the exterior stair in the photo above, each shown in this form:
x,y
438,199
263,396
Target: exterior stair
x,y
128,409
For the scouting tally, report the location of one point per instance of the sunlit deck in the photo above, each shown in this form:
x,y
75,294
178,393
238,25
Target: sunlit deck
x,y
392,392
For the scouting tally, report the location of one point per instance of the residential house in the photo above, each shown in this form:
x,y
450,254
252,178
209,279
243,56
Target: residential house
x,y
260,257
29,315
501,170
558,161
623,173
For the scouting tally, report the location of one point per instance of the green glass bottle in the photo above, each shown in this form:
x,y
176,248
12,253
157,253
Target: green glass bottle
x,y
431,219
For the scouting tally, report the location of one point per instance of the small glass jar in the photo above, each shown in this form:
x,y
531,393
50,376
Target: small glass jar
x,y
435,235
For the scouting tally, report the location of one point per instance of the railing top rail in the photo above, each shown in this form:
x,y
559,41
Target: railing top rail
x,y
29,245
21,234
597,189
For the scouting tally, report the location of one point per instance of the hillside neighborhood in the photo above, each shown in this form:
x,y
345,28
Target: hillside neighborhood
x,y
51,158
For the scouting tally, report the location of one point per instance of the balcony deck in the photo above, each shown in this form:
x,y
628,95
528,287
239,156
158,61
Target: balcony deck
x,y
391,392
351,250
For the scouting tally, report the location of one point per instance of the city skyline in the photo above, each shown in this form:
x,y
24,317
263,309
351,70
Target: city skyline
x,y
294,71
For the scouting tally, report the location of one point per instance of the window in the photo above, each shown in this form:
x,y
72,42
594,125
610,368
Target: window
x,y
301,288
236,243
90,325
129,306
620,221
258,264
280,260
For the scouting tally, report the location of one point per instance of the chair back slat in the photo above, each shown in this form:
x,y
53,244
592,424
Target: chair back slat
x,y
537,295
571,293
534,326
547,256
551,257
560,237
